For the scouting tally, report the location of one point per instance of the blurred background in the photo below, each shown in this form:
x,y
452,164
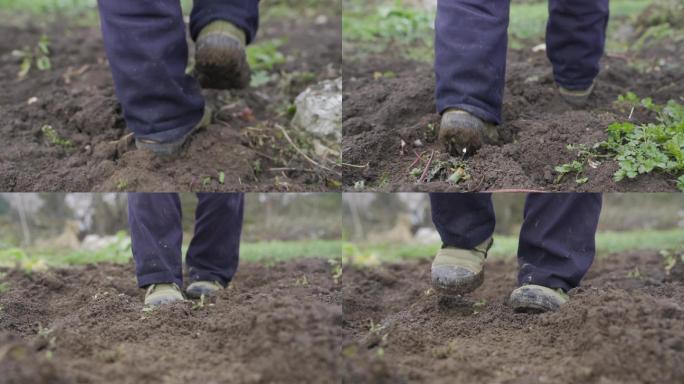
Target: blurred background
x,y
406,27
379,227
72,228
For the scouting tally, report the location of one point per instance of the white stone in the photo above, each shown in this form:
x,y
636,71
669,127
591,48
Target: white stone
x,y
319,110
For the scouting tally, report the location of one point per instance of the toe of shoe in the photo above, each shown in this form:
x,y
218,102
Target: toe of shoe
x,y
454,280
523,299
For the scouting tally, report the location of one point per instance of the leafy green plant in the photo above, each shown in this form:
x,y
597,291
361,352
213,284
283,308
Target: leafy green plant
x,y
638,148
671,258
262,58
37,55
53,138
302,281
335,269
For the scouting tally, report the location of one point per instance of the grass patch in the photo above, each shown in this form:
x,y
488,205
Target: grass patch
x,y
507,246
268,252
409,31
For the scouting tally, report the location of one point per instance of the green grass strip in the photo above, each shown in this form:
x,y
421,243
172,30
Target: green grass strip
x,y
266,252
506,246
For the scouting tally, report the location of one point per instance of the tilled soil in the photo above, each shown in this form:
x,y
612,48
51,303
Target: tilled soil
x,y
624,325
381,111
76,98
276,324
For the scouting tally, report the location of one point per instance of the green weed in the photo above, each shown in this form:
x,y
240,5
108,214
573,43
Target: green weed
x,y
634,274
37,56
638,148
671,258
4,287
53,138
262,58
335,269
302,281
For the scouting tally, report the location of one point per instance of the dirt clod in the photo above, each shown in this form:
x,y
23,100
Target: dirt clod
x,y
87,325
615,329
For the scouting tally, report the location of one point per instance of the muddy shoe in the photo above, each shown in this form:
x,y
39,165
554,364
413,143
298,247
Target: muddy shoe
x,y
172,147
535,298
463,133
576,97
459,271
199,288
160,294
220,58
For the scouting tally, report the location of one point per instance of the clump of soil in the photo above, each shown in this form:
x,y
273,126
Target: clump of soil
x,y
624,325
76,98
379,112
278,323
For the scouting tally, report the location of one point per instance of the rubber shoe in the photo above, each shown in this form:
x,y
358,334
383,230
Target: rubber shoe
x,y
536,298
463,134
576,98
160,294
199,288
220,57
458,271
172,147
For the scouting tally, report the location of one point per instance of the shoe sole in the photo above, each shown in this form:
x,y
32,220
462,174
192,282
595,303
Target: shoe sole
x,y
166,149
172,148
530,302
460,287
221,63
577,99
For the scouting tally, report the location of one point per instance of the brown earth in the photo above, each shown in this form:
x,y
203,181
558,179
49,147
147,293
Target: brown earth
x,y
379,112
77,99
87,325
624,325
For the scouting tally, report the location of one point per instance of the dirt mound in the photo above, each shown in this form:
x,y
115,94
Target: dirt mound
x,y
624,325
279,323
381,111
76,99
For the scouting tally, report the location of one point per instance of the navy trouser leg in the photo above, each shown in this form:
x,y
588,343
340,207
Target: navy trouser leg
x,y
463,220
242,13
575,40
471,37
556,245
557,238
148,54
214,250
156,237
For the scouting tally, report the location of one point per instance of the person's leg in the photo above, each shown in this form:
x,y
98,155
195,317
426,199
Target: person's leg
x,y
244,14
463,220
557,239
148,54
214,250
471,37
575,40
156,237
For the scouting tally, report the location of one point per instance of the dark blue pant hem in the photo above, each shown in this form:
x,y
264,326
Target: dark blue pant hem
x,y
163,277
